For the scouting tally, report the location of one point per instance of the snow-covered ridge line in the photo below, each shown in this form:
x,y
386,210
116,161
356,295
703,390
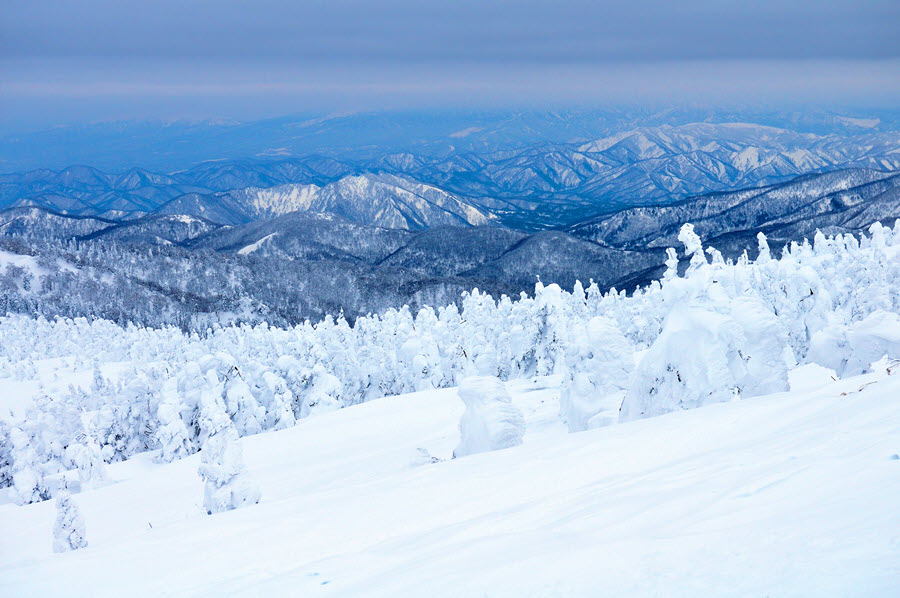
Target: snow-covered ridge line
x,y
721,331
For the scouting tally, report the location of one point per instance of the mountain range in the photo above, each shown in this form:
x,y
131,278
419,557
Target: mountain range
x,y
531,188
287,267
167,146
845,201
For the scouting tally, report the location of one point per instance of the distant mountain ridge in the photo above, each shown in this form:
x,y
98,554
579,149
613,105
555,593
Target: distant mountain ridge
x,y
531,188
167,146
382,200
845,201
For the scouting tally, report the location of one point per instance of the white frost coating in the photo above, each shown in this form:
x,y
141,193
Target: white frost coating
x,y
86,457
877,336
322,395
68,530
851,350
28,483
708,353
765,254
270,377
692,246
490,421
600,361
227,484
247,414
171,433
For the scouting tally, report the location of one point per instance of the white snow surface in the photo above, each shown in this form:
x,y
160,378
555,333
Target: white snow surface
x,y
755,452
791,494
254,246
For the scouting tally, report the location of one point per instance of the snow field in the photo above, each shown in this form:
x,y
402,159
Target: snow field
x,y
786,494
756,419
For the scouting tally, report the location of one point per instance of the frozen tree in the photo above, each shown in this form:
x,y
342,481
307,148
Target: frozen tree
x,y
212,414
323,392
421,361
710,351
68,530
171,434
6,458
600,361
714,345
278,401
851,350
490,421
551,315
86,458
28,485
248,416
718,331
227,485
692,247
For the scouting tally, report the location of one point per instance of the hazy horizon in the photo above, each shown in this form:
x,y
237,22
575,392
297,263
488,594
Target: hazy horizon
x,y
71,63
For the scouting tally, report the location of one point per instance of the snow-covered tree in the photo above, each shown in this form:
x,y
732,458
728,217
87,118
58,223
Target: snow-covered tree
x,y
278,401
719,330
600,361
85,456
713,346
6,458
28,484
248,416
171,434
227,485
851,350
490,421
68,530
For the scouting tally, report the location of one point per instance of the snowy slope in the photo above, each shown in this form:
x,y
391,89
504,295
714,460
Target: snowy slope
x,y
833,202
394,202
382,200
787,494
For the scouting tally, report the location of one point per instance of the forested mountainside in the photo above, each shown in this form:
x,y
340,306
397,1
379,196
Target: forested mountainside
x,y
159,269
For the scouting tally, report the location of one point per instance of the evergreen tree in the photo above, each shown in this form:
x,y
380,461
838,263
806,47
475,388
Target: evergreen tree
x,y
68,530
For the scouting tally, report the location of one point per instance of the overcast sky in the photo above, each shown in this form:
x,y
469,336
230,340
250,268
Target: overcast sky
x,y
65,61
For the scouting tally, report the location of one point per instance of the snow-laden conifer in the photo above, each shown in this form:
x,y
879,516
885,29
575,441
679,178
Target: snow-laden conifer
x,y
68,530
490,421
600,361
227,484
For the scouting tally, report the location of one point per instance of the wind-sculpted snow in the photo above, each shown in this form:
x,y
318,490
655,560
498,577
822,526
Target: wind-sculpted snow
x,y
490,421
723,330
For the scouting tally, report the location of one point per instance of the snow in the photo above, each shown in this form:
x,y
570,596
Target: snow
x,y
30,265
798,488
865,123
465,132
739,419
283,199
185,219
747,159
254,246
27,262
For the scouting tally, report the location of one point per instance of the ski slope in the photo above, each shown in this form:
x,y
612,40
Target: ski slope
x,y
791,494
